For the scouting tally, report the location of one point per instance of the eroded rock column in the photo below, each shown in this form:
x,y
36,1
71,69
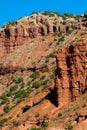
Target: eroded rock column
x,y
71,79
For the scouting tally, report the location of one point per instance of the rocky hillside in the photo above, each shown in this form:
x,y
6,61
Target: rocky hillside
x,y
43,72
38,24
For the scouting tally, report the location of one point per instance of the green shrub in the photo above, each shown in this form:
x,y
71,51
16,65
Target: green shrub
x,y
45,82
68,110
51,55
43,77
10,117
34,129
61,39
29,90
8,24
77,17
13,88
59,115
59,34
46,116
44,124
68,32
46,86
47,59
3,121
37,115
4,99
36,84
69,15
34,75
28,83
45,69
22,84
18,115
3,96
9,93
21,94
34,13
48,12
6,109
58,14
19,80
52,76
1,114
64,22
64,17
70,127
15,123
19,100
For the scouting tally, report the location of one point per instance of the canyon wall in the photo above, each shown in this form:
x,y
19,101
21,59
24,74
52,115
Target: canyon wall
x,y
71,79
17,33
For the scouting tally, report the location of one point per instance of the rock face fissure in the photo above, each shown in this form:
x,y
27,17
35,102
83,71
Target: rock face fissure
x,y
16,33
71,79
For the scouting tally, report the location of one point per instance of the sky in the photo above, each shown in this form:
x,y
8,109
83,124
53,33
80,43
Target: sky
x,y
11,10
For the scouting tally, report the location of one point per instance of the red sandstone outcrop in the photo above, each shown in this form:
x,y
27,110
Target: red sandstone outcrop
x,y
71,79
18,32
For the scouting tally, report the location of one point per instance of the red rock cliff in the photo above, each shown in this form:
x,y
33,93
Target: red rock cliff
x,y
71,79
18,32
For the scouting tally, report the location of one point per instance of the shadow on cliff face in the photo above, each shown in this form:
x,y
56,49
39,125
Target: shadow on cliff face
x,y
52,97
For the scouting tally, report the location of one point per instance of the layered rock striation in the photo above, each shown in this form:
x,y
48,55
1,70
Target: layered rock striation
x,y
71,79
16,33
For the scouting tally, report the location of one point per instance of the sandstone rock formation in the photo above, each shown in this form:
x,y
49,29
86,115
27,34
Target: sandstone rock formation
x,y
32,61
71,79
16,33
